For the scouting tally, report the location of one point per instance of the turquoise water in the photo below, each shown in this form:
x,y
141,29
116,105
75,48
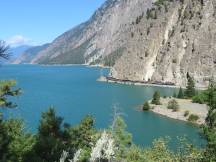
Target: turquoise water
x,y
74,92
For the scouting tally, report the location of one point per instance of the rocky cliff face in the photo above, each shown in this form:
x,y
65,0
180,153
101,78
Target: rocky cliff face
x,y
169,41
92,41
143,40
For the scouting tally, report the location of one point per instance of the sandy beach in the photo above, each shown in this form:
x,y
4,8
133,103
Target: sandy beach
x,y
200,110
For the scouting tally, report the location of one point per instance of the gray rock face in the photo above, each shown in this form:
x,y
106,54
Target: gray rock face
x,y
93,40
171,40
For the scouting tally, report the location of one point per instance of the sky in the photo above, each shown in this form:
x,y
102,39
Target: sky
x,y
35,22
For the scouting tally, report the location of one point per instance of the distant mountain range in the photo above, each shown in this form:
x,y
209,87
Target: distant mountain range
x,y
142,40
15,52
27,55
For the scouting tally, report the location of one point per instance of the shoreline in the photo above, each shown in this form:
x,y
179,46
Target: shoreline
x,y
143,83
201,110
137,83
118,81
86,65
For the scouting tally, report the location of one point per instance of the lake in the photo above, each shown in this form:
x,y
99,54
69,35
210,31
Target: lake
x,y
74,92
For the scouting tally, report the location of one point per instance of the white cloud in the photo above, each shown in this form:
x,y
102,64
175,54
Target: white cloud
x,y
18,40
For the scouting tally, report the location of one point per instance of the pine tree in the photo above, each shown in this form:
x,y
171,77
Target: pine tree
x,y
146,106
4,141
123,139
156,98
6,90
181,93
51,139
210,127
190,88
4,50
81,135
174,95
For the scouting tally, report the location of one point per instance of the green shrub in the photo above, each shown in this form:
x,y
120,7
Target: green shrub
x,y
193,118
173,104
186,113
201,98
198,99
146,106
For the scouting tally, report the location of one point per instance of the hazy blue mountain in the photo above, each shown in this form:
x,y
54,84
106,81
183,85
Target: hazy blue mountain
x,y
15,52
27,55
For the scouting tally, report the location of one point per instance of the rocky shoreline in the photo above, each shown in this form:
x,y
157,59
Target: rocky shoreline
x,y
141,83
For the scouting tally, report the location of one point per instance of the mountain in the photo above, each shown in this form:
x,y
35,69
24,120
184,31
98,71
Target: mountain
x,y
15,52
94,41
173,39
160,41
27,55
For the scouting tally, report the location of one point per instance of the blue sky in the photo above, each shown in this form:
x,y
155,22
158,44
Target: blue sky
x,y
41,21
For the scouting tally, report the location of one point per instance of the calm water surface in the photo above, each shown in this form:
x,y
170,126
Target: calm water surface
x,y
74,92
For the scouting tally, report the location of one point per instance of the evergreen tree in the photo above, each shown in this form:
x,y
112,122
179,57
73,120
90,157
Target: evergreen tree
x,y
190,88
146,106
210,127
156,98
51,139
82,134
6,90
4,141
4,50
123,139
181,93
174,95
6,87
20,143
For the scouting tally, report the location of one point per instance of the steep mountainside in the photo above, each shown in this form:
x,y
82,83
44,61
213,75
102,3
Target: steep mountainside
x,y
143,40
171,40
29,54
92,41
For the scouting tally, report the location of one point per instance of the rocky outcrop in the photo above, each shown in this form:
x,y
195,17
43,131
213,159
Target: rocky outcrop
x,y
169,41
